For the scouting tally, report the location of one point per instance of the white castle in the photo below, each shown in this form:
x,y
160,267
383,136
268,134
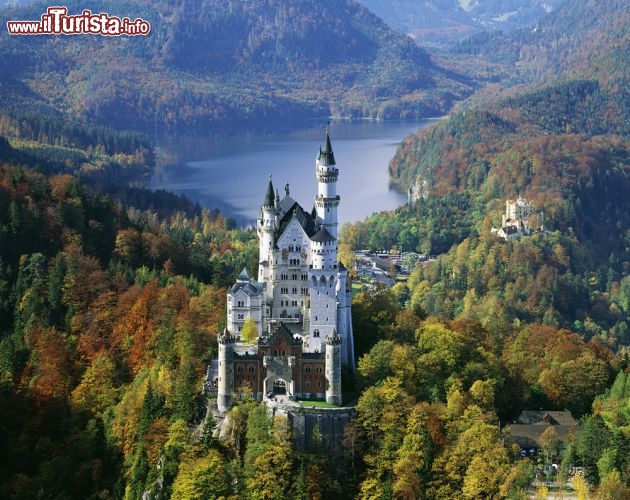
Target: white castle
x,y
301,288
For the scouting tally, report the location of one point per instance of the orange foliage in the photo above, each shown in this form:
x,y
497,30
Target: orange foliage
x,y
48,373
155,439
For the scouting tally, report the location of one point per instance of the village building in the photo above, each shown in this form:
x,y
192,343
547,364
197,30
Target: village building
x,y
530,426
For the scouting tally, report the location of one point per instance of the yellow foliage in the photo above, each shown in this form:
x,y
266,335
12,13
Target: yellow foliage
x,y
96,392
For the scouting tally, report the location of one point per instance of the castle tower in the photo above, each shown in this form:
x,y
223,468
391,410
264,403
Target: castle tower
x,y
333,369
265,228
322,286
344,318
327,200
225,387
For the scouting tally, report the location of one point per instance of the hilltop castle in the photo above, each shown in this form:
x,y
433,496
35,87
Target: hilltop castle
x,y
300,304
517,220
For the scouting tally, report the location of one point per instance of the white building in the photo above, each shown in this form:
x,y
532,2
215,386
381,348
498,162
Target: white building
x,y
300,283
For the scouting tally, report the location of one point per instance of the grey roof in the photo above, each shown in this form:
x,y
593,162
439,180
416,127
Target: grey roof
x,y
279,332
294,209
286,205
548,416
269,196
323,235
326,156
249,285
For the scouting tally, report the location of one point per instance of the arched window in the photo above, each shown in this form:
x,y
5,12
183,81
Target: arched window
x,y
323,281
239,369
315,333
307,369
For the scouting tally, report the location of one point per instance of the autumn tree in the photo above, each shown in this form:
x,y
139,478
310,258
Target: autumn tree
x,y
249,334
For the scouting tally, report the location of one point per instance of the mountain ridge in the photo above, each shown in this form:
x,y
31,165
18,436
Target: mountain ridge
x,y
217,65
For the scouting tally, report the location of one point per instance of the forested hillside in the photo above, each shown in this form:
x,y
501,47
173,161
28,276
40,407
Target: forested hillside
x,y
585,39
563,147
215,66
442,22
110,315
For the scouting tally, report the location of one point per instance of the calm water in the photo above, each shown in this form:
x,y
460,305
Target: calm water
x,y
231,173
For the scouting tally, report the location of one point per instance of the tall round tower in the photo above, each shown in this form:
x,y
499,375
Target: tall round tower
x,y
333,369
266,227
225,387
327,199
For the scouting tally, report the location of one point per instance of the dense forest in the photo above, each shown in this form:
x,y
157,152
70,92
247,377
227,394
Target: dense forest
x,y
223,66
110,315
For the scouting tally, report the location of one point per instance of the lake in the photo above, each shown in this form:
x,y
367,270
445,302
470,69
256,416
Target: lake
x,y
231,173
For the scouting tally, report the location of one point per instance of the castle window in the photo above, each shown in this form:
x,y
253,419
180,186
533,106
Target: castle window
x,y
316,333
307,369
239,369
275,353
319,369
319,384
294,290
251,369
308,384
239,316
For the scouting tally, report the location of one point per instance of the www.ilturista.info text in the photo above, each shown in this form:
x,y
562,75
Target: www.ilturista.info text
x,y
56,21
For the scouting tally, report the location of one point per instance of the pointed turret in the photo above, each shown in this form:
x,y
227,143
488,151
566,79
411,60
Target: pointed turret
x,y
326,156
327,200
270,196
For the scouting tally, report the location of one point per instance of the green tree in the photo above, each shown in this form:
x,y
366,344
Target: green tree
x,y
202,476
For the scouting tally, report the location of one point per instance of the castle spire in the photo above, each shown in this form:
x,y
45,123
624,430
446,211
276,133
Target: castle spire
x,y
326,156
269,197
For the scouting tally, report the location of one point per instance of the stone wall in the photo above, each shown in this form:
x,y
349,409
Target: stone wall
x,y
320,429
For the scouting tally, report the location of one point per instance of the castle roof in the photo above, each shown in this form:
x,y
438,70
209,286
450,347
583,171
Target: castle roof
x,y
248,285
286,205
326,156
279,332
322,235
269,196
290,209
